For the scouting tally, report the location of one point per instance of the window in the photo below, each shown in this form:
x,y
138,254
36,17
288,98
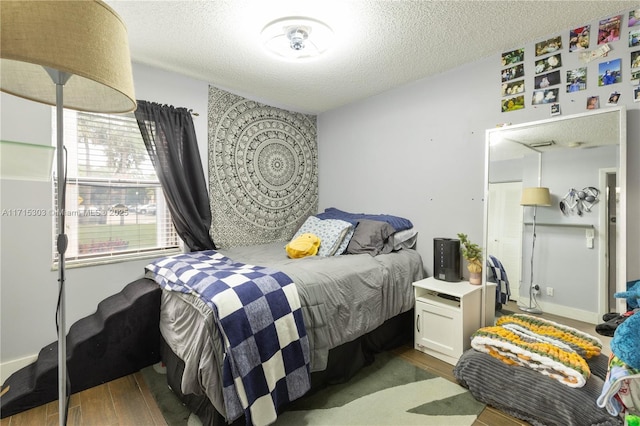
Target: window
x,y
115,209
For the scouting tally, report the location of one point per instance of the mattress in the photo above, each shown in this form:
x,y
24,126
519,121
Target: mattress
x,y
342,298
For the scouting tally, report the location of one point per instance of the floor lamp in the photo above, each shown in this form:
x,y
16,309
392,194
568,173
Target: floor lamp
x,y
71,54
534,196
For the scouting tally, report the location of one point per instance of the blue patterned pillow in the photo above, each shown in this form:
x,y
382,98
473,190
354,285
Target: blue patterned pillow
x,y
332,233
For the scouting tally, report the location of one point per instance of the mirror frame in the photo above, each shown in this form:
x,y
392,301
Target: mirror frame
x,y
621,214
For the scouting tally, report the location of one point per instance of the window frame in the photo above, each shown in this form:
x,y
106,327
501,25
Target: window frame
x,y
77,218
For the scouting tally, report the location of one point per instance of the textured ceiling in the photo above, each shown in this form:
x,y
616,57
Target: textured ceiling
x,y
380,44
587,130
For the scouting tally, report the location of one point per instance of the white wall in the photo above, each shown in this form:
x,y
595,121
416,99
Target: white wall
x,y
29,286
418,151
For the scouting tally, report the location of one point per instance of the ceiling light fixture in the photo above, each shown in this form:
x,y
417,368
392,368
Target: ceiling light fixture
x,y
296,37
541,144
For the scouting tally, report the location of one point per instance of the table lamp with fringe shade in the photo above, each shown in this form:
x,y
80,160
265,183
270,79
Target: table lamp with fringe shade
x,y
534,196
70,54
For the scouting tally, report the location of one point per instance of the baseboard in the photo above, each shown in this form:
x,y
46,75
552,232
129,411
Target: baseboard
x,y
10,367
565,311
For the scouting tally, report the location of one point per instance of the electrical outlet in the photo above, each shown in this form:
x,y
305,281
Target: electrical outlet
x,y
550,291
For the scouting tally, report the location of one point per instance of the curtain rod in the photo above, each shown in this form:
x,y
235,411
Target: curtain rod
x,y
193,113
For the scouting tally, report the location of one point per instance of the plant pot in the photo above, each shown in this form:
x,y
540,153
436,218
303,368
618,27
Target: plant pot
x,y
475,278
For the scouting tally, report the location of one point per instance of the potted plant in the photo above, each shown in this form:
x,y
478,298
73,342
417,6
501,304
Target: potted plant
x,y
473,255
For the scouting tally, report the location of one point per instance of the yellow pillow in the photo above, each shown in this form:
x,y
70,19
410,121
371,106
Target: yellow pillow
x,y
302,246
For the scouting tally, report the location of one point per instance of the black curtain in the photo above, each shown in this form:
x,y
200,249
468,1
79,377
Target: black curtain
x,y
170,139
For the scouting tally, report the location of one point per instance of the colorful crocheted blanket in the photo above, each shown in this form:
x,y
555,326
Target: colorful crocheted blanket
x,y
555,350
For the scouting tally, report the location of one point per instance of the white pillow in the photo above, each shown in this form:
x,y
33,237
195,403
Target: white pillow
x,y
332,233
345,241
404,239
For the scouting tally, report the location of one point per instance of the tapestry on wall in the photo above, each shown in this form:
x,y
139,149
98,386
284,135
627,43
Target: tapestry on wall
x,y
263,174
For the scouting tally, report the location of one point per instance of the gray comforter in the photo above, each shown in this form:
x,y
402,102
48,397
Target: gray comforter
x,y
342,298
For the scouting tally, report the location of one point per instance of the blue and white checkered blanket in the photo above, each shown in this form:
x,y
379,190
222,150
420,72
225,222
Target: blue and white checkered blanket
x,y
257,309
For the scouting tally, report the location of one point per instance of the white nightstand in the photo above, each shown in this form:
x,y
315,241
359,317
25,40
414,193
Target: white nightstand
x,y
446,315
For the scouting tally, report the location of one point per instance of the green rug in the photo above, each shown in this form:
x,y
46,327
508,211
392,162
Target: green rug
x,y
390,391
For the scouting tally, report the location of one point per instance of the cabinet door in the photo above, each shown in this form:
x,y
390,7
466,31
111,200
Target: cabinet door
x,y
438,328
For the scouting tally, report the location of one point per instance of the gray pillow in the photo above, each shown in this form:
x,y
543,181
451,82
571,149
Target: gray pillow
x,y
370,236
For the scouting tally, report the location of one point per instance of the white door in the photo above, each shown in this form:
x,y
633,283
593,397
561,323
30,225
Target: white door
x,y
504,233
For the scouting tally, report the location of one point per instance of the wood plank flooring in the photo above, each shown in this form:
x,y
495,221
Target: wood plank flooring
x,y
128,402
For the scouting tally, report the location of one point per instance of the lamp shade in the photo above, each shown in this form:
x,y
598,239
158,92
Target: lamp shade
x,y
535,196
85,39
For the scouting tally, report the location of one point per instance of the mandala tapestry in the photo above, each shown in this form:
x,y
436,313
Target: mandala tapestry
x,y
263,174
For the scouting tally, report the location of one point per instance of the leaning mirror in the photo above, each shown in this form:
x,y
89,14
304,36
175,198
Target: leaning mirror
x,y
565,255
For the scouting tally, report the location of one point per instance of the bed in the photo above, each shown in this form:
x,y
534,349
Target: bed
x,y
353,304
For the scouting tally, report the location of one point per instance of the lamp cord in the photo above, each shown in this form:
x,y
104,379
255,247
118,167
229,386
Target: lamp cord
x,y
61,241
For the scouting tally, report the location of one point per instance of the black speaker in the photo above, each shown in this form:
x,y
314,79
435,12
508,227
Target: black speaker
x,y
446,259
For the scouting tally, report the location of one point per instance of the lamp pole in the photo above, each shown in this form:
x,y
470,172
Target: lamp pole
x,y
60,78
531,309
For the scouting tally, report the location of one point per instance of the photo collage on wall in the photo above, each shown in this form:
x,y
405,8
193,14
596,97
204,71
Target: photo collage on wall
x,y
609,72
547,69
634,41
550,78
513,80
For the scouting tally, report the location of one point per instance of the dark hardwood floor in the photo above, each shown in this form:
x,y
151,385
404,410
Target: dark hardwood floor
x,y
127,401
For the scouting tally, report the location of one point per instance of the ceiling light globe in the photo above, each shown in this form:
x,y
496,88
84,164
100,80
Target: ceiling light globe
x,y
296,38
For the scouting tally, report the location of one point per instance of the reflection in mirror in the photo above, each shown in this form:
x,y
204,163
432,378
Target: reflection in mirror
x,y
580,243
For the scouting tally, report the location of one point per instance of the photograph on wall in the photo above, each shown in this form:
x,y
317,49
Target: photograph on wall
x,y
547,80
512,57
593,102
609,72
546,96
635,59
634,38
548,64
577,80
512,73
635,77
513,88
636,94
549,46
609,29
513,104
555,109
634,18
614,97
579,38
